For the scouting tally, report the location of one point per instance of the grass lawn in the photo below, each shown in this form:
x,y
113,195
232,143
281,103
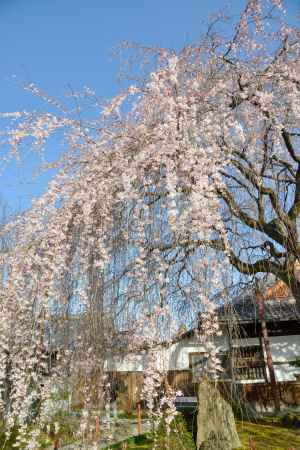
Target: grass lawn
x,y
268,436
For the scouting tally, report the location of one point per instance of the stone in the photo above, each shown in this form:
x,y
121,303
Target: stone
x,y
215,421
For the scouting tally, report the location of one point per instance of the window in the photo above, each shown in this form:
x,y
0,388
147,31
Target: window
x,y
249,363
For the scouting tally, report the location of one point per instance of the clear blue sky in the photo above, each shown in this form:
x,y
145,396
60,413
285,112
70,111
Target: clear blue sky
x,y
59,42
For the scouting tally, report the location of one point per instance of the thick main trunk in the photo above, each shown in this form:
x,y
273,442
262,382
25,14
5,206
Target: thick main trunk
x,y
266,342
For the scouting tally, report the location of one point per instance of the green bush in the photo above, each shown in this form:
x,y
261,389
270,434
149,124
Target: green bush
x,y
7,444
295,363
178,439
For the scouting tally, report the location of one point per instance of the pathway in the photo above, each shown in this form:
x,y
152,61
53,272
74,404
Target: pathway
x,y
121,429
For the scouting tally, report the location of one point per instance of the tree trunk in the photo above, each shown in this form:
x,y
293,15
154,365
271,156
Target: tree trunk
x,y
266,341
294,285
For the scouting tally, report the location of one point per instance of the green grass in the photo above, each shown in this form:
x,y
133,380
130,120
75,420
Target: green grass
x,y
124,415
268,435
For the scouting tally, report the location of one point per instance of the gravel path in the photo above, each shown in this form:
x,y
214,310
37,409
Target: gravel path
x,y
121,430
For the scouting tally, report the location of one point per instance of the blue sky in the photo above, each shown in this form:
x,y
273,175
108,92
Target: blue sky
x,y
56,43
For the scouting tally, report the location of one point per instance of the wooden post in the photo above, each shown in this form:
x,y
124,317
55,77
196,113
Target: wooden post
x,y
266,342
97,426
252,445
139,417
56,444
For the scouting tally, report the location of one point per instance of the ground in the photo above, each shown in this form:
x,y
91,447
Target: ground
x,y
267,435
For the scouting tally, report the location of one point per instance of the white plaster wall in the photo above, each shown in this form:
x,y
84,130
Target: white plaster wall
x,y
179,352
176,357
245,342
286,372
130,363
284,349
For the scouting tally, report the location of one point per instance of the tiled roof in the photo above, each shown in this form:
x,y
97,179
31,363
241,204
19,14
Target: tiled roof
x,y
246,310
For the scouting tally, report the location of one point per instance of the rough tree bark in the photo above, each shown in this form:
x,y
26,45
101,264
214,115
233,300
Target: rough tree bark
x,y
266,342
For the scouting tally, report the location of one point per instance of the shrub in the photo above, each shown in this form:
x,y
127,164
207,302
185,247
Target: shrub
x,y
178,439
